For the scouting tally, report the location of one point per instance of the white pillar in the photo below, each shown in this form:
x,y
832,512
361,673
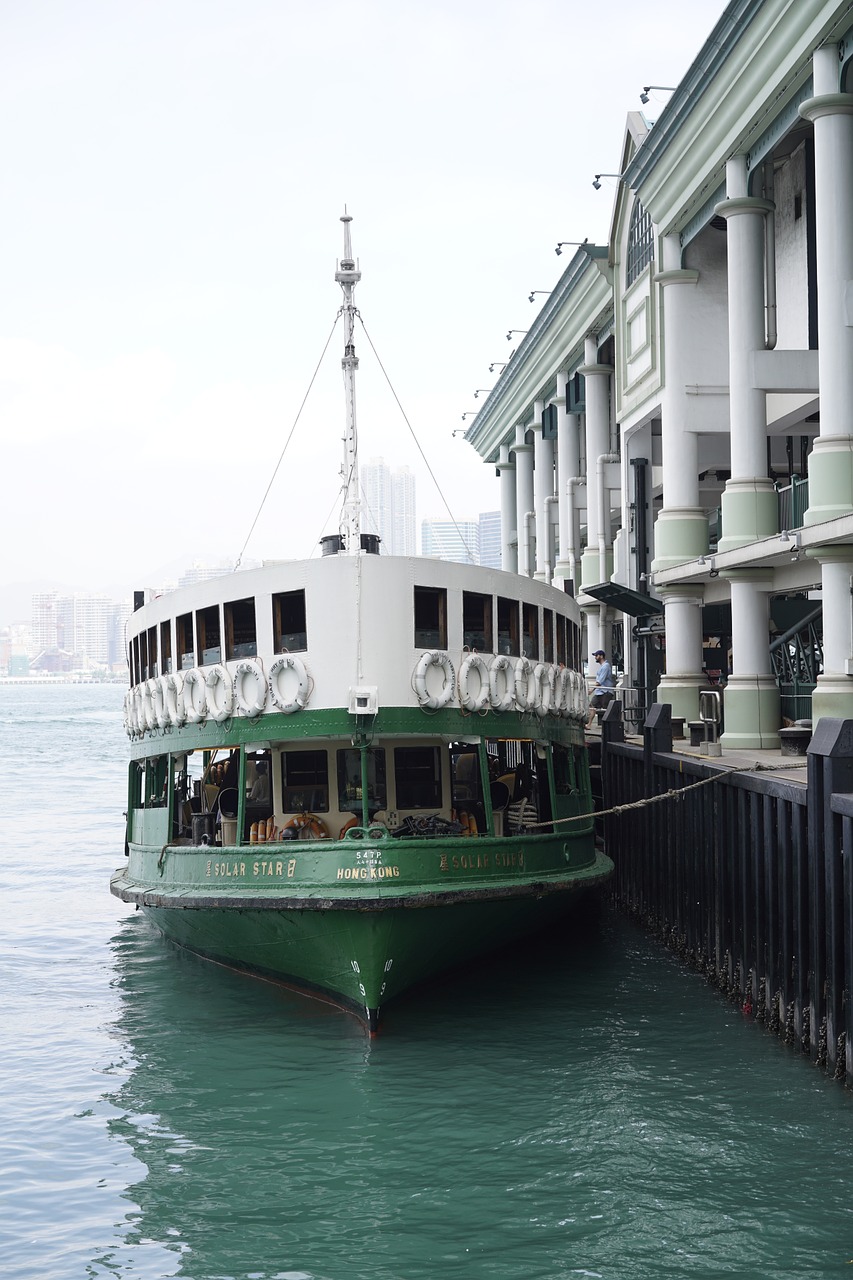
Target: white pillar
x,y
509,536
831,462
568,467
751,698
524,492
749,503
681,528
597,386
543,487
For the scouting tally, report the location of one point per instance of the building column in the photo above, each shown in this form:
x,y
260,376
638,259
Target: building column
x,y
509,537
523,496
751,697
749,503
543,487
831,461
681,528
597,388
568,468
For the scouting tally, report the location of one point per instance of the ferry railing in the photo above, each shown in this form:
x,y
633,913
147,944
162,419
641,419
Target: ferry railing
x,y
748,878
793,501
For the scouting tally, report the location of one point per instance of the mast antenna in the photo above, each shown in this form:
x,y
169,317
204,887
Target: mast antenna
x,y
348,276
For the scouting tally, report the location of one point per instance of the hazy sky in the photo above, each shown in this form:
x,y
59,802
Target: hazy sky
x,y
173,174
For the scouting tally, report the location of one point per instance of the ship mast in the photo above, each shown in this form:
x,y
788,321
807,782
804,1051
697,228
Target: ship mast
x,y
348,276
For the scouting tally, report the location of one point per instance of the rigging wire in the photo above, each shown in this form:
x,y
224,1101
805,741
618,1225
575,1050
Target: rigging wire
x,y
415,438
287,441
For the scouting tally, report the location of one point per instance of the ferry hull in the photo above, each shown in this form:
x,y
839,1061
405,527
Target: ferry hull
x,y
359,921
362,953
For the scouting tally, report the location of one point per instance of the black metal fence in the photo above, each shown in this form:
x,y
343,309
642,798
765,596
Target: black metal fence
x,y
749,878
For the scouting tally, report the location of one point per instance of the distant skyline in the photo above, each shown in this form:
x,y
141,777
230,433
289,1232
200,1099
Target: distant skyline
x,y
173,179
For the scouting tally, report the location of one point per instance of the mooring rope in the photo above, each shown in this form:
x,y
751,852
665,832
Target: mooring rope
x,y
674,793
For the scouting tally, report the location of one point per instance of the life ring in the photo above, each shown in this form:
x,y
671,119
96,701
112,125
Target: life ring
x,y
127,713
289,662
159,702
218,678
543,683
434,701
195,696
479,701
307,827
174,699
525,701
148,704
251,707
138,712
562,692
583,699
502,701
348,826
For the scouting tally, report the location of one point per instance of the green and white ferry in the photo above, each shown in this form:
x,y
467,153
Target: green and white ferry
x,y
350,773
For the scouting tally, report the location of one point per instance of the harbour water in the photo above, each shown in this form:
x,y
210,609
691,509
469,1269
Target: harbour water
x,y
577,1107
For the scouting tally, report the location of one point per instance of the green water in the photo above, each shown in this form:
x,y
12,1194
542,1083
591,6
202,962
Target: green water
x,y
581,1107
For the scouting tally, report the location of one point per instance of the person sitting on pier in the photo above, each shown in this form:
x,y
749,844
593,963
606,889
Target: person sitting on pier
x,y
605,683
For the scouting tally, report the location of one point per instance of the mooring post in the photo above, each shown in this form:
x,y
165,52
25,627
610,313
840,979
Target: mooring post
x,y
657,736
830,770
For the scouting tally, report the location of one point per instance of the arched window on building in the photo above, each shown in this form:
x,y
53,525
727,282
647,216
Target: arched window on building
x,y
641,243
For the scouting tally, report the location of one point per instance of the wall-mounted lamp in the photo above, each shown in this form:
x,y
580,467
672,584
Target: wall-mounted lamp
x,y
702,561
533,293
458,431
713,572
510,332
497,364
578,243
470,413
485,391
597,184
647,88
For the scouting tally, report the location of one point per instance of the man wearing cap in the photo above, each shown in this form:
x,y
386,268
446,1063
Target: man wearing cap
x,y
605,683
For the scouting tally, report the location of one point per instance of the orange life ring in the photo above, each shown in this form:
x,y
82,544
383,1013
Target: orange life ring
x,y
307,827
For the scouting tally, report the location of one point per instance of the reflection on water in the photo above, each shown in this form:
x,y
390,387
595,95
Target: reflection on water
x,y
578,1108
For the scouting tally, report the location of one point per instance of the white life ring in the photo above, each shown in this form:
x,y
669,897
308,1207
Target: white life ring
x,y
127,712
158,699
138,712
525,701
502,701
174,699
543,683
250,668
480,700
195,696
296,701
219,708
149,712
563,693
583,699
434,701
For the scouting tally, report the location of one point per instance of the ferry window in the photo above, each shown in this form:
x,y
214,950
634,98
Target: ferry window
x,y
186,651
349,780
143,654
477,621
166,647
305,782
155,783
467,784
134,654
562,650
574,645
531,631
508,627
547,636
152,653
209,641
430,618
240,636
289,630
417,777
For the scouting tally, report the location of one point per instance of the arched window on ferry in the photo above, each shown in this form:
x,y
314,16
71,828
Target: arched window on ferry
x,y
641,244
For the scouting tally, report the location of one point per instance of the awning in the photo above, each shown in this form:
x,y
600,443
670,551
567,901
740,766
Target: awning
x,y
625,599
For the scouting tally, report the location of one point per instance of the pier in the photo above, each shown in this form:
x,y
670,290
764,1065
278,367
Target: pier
x,y
747,876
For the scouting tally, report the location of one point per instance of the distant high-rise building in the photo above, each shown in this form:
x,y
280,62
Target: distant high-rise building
x,y
446,540
490,539
388,506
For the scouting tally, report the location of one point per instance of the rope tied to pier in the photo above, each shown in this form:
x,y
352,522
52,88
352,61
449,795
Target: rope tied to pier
x,y
674,793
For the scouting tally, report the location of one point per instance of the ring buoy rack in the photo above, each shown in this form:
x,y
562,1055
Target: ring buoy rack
x,y
250,668
434,701
288,662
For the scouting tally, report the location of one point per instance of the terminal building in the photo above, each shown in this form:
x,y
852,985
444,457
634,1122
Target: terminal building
x,y
674,433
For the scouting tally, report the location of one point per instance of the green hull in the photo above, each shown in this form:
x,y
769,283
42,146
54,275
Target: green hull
x,y
354,921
